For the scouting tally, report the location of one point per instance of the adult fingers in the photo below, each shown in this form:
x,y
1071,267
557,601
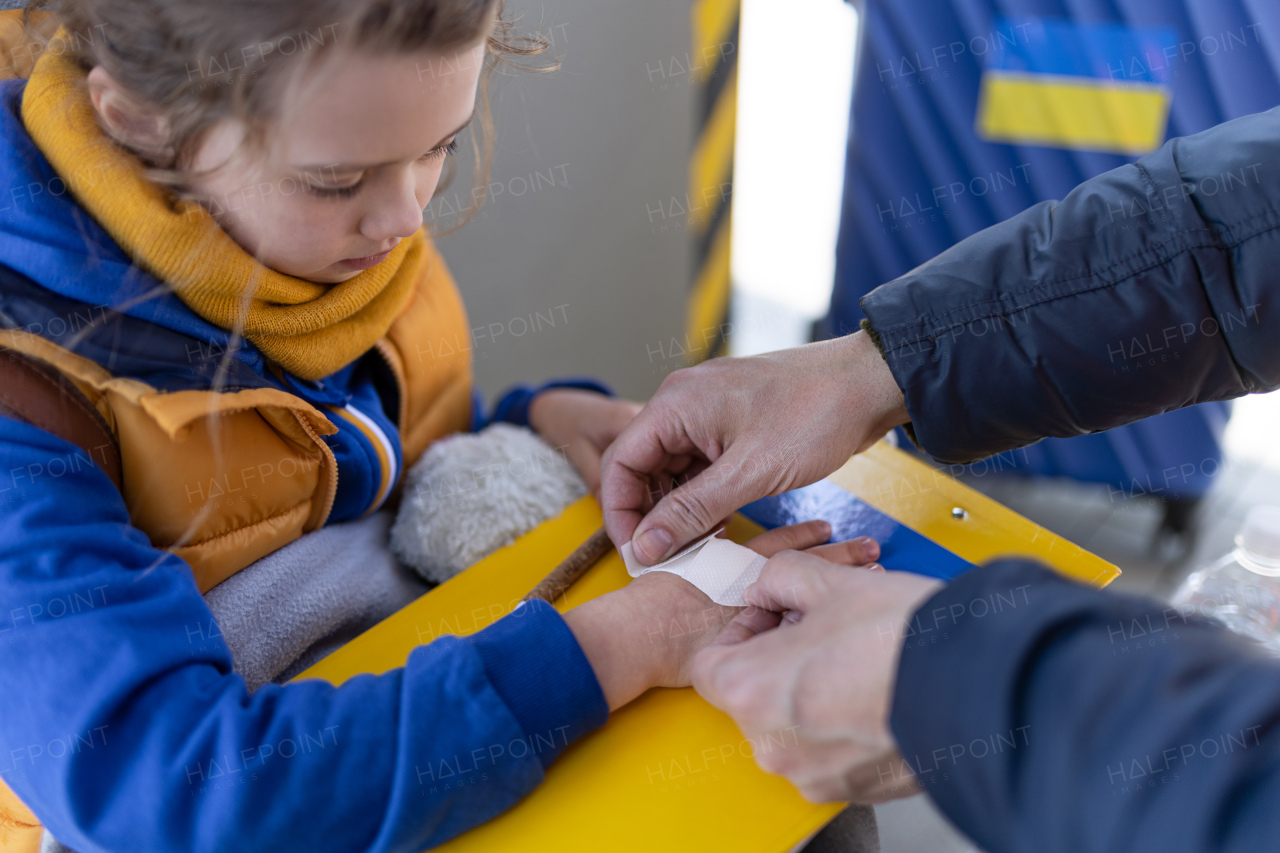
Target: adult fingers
x,y
746,625
706,671
853,552
793,537
694,507
636,457
867,779
678,464
789,581
748,680
728,674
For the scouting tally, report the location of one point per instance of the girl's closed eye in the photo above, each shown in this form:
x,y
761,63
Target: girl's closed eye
x,y
351,186
343,190
443,150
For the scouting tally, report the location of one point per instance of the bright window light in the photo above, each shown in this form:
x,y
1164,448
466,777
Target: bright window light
x,y
1251,432
795,67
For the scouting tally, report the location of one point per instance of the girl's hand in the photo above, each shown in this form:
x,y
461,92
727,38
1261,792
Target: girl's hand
x,y
582,424
646,634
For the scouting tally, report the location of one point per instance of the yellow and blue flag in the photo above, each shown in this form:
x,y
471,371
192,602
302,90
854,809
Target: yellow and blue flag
x,y
1085,87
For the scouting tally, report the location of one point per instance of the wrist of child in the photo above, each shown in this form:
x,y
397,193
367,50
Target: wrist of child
x,y
614,634
683,619
537,411
544,411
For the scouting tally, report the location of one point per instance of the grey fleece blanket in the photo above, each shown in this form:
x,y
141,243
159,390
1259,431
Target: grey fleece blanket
x,y
294,606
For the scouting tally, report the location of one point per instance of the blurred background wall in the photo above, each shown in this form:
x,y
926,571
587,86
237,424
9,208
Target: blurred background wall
x,y
591,220
574,265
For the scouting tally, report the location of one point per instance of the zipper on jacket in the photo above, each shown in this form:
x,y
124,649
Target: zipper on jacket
x,y
331,487
382,346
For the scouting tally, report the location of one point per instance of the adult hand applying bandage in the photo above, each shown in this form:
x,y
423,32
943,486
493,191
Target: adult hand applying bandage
x,y
733,430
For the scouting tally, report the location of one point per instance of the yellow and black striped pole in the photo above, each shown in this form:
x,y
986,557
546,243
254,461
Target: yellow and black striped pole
x,y
714,62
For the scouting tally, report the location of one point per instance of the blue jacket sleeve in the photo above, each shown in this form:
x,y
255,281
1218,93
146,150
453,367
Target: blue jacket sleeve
x,y
1146,289
122,720
513,406
1043,715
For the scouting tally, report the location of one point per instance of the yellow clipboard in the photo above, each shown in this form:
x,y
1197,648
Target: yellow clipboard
x,y
669,772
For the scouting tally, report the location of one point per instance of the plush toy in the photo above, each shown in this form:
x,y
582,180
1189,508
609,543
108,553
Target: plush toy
x,y
470,495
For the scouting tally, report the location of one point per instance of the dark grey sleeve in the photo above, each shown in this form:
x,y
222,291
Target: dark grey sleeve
x,y
1148,288
1040,714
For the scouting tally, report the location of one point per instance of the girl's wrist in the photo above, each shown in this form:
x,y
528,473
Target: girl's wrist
x,y
538,409
614,633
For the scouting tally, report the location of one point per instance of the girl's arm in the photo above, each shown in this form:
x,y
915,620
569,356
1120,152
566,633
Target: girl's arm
x,y
583,424
578,416
123,720
123,723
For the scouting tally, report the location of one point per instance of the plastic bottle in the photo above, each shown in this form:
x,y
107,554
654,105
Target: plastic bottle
x,y
1242,589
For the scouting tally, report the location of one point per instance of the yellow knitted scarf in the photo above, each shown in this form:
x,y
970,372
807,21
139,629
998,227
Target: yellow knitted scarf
x,y
310,329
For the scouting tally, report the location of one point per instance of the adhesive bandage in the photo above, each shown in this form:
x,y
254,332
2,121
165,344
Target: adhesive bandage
x,y
720,568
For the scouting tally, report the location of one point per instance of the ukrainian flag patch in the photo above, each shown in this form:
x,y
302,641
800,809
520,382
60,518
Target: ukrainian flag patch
x,y
1083,87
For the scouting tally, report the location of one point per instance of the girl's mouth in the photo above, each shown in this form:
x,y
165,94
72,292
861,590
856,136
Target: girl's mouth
x,y
364,263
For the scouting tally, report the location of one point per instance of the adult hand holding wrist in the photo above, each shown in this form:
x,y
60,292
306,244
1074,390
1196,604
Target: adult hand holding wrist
x,y
732,430
815,692
645,634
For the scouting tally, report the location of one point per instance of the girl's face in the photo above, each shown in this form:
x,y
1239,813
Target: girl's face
x,y
349,166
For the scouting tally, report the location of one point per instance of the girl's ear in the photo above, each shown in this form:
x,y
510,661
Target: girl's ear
x,y
125,118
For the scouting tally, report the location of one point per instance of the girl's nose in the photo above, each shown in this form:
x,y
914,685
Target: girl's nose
x,y
395,213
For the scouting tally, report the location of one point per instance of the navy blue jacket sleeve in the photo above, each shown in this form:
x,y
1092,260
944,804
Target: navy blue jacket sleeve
x,y
1043,715
1146,289
513,406
122,725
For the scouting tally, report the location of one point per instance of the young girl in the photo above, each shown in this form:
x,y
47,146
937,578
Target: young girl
x,y
211,235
